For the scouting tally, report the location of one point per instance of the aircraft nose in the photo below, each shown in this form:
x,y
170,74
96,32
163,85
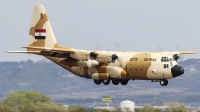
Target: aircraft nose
x,y
177,70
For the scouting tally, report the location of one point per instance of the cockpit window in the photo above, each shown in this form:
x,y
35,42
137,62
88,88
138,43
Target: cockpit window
x,y
164,59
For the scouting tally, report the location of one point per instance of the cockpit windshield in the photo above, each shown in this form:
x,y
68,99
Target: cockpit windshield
x,y
166,59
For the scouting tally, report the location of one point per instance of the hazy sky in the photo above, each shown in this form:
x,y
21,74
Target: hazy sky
x,y
136,25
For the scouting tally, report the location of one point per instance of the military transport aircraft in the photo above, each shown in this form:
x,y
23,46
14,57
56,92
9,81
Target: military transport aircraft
x,y
101,66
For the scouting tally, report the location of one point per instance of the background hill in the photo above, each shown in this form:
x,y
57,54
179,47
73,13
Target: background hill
x,y
62,86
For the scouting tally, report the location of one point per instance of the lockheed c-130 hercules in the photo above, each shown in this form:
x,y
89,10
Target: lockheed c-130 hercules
x,y
101,66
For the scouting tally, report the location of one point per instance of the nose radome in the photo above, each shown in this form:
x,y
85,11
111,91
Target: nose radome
x,y
177,71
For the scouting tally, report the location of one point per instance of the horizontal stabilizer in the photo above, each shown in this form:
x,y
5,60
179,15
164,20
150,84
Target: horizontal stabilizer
x,y
32,52
51,49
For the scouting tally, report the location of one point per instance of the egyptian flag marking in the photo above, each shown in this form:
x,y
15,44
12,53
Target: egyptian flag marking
x,y
40,33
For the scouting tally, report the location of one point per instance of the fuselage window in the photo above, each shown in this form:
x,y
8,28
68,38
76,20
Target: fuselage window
x,y
166,66
171,63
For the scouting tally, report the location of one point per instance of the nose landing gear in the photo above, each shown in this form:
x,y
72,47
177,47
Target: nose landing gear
x,y
163,82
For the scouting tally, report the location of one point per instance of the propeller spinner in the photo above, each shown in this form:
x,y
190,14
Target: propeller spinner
x,y
176,57
114,57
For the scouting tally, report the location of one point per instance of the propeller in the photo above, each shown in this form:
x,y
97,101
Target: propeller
x,y
114,56
176,56
93,55
159,49
96,45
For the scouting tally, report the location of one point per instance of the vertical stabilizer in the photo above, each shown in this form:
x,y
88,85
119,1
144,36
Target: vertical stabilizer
x,y
41,33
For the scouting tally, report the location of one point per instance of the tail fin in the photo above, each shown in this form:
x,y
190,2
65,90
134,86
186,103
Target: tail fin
x,y
41,33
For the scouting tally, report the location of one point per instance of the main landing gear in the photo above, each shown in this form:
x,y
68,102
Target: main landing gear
x,y
106,82
97,82
115,82
163,82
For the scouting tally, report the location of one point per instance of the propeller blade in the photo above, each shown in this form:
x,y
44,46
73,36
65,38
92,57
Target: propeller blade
x,y
177,47
181,56
159,48
96,46
117,46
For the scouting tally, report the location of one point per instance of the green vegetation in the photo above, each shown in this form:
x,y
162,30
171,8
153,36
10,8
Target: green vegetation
x,y
175,107
147,108
32,101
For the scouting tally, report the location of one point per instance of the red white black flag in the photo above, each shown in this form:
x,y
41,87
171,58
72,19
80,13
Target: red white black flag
x,y
40,33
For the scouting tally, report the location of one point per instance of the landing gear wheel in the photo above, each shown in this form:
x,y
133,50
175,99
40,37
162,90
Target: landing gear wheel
x,y
106,82
97,82
164,82
124,82
115,82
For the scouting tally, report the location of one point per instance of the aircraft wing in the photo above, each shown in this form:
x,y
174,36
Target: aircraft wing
x,y
180,52
187,52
